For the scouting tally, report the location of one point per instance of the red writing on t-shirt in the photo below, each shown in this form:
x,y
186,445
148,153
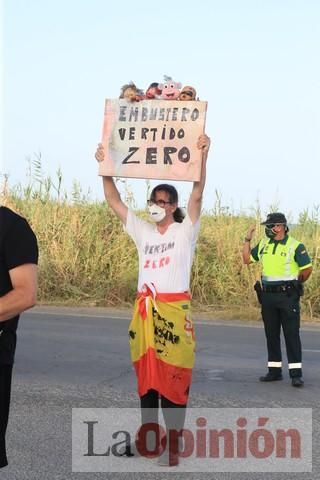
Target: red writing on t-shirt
x,y
157,263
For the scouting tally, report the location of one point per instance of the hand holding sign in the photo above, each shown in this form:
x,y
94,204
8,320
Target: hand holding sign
x,y
204,143
100,153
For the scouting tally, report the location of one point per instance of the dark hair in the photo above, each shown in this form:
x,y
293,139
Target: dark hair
x,y
178,214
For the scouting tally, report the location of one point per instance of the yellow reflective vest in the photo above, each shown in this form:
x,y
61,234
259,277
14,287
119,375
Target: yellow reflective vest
x,y
277,258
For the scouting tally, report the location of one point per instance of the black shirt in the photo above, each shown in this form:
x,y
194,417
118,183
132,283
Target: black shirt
x,y
18,246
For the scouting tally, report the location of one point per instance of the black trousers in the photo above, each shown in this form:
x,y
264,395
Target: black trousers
x,y
282,309
5,392
173,414
149,410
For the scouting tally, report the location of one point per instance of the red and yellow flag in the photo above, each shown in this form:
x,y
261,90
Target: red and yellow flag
x,y
162,344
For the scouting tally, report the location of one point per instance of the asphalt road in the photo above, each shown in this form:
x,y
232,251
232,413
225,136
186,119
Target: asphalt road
x,y
72,358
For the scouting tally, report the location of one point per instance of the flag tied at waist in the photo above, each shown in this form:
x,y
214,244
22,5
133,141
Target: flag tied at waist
x,y
162,343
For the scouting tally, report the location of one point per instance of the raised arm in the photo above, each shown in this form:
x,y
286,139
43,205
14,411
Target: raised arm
x,y
195,200
111,192
246,249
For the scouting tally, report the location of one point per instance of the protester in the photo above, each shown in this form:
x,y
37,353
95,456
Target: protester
x,y
161,331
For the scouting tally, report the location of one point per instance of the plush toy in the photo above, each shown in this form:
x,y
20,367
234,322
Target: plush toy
x,y
187,93
153,91
170,89
131,92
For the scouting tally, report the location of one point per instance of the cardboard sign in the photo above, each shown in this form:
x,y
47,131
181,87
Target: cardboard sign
x,y
153,139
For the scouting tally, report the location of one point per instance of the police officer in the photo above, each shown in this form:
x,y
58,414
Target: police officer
x,y
285,266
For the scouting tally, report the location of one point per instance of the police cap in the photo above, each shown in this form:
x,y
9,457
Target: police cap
x,y
275,217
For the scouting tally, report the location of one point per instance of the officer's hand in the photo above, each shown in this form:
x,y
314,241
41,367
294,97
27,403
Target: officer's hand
x,y
100,153
250,232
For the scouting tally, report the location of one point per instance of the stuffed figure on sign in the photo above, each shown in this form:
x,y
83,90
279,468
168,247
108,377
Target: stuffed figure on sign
x,y
188,93
131,92
170,89
153,91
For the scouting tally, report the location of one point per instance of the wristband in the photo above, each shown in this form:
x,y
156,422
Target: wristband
x,y
247,239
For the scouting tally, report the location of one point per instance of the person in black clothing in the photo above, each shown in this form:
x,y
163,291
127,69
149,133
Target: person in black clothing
x,y
18,287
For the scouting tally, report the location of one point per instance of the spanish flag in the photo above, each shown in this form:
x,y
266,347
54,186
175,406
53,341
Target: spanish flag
x,y
162,343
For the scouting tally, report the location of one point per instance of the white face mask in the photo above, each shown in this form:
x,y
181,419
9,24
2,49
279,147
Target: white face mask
x,y
156,214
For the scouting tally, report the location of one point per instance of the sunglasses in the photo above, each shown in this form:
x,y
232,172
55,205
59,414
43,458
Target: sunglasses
x,y
272,225
159,203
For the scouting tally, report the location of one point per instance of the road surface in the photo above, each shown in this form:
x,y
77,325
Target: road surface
x,y
71,358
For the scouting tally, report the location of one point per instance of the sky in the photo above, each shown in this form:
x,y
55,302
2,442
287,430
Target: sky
x,y
256,63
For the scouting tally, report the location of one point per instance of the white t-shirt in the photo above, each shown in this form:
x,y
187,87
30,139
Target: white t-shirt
x,y
165,260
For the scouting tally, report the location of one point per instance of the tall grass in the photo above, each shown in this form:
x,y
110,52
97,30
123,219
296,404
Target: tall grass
x,y
87,258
